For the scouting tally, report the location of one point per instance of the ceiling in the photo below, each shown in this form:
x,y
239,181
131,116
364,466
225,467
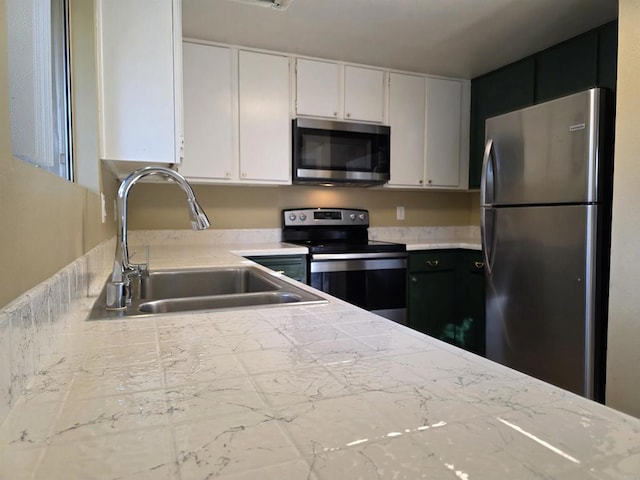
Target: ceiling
x,y
459,38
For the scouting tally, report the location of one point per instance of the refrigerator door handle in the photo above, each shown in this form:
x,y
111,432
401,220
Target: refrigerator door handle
x,y
488,167
487,233
487,188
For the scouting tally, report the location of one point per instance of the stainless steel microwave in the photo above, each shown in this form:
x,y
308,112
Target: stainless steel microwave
x,y
327,152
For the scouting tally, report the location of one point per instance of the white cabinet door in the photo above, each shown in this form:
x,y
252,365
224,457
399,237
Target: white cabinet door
x,y
317,88
407,119
265,124
443,127
209,112
139,69
364,94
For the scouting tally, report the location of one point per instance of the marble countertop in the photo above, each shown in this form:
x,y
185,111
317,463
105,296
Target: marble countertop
x,y
295,392
415,244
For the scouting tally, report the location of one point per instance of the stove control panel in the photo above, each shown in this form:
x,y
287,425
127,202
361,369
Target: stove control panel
x,y
318,217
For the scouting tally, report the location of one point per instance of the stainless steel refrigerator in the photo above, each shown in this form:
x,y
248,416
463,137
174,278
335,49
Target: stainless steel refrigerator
x,y
546,203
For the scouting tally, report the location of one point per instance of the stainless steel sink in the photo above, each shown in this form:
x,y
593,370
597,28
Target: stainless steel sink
x,y
205,289
205,282
218,301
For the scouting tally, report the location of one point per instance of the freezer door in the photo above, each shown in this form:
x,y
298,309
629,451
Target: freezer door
x,y
540,292
548,153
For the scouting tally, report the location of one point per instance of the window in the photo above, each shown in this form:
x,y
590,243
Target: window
x,y
39,83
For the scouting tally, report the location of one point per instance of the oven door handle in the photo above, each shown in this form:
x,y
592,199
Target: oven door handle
x,y
359,264
356,256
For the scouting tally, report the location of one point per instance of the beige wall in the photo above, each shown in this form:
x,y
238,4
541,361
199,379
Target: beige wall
x,y
157,206
623,380
46,222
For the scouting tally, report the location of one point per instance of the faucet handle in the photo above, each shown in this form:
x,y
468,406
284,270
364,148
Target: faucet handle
x,y
139,268
117,295
143,268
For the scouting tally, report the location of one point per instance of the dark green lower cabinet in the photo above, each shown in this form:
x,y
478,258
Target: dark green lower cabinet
x,y
431,289
471,300
446,297
293,266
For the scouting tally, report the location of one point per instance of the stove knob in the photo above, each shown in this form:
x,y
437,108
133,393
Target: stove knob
x,y
292,216
352,216
303,217
362,216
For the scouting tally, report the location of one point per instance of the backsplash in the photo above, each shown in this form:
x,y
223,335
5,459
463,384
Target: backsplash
x,y
205,237
274,235
31,323
406,234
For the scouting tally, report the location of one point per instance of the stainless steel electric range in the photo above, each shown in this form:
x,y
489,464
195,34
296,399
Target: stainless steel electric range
x,y
345,263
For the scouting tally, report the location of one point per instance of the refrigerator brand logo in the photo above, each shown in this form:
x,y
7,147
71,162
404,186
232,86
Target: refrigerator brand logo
x,y
575,128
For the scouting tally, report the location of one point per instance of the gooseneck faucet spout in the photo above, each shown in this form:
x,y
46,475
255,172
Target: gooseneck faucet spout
x,y
118,289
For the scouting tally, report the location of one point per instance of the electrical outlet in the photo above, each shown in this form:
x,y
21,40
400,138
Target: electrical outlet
x,y
399,213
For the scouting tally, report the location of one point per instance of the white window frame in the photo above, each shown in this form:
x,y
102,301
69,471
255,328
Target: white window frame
x,y
40,83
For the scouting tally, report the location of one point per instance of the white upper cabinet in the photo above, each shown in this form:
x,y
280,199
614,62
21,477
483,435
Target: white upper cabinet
x,y
447,120
317,88
264,117
140,79
342,92
407,119
429,120
239,104
364,94
237,116
210,112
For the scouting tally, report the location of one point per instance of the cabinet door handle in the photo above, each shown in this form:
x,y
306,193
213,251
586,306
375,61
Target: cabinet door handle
x,y
433,263
479,265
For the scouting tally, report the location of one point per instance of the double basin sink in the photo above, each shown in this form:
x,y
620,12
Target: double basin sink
x,y
202,289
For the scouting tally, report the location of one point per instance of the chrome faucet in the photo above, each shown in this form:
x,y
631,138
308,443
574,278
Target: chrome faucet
x,y
119,288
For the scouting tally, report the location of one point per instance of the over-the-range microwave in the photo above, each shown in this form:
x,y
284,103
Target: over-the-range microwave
x,y
327,152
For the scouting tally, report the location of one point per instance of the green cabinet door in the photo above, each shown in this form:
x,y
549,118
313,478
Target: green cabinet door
x,y
446,296
608,56
567,68
471,304
431,292
293,266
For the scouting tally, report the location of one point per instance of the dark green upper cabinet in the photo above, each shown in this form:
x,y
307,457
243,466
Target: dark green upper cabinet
x,y
567,68
583,62
501,91
608,56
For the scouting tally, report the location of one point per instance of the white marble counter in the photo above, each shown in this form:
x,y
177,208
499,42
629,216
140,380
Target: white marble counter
x,y
294,392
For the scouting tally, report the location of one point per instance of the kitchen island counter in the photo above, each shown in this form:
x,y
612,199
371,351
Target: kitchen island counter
x,y
294,392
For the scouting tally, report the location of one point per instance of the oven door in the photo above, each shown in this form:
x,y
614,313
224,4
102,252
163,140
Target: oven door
x,y
373,281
